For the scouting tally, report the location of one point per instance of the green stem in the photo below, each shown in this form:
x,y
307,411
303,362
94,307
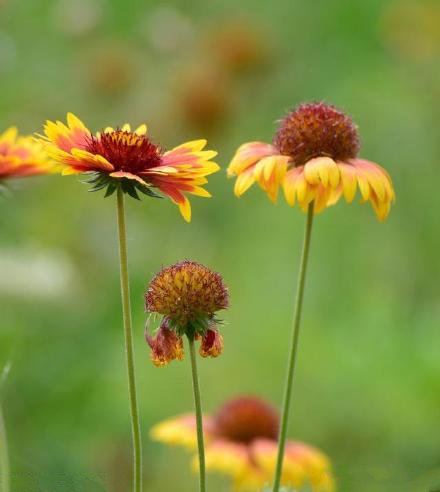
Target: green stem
x,y
293,348
4,457
199,418
126,311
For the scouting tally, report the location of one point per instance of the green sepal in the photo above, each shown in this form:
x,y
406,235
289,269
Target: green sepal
x,y
197,326
100,181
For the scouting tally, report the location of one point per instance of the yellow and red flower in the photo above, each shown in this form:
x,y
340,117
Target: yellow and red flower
x,y
21,156
314,157
126,158
241,442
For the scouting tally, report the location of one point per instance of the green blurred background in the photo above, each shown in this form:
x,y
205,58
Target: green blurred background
x,y
368,381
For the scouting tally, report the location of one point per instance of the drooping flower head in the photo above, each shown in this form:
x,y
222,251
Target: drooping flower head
x,y
314,157
131,160
165,346
187,295
21,156
242,444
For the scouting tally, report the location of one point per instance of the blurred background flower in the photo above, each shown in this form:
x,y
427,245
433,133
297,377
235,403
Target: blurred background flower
x,y
369,368
242,444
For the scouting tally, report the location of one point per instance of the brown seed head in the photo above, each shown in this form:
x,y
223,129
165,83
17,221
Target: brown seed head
x,y
316,130
186,292
245,419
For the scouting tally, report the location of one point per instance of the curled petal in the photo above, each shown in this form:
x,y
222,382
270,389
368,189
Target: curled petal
x,y
270,172
248,155
126,175
165,347
211,344
324,181
322,170
374,183
261,162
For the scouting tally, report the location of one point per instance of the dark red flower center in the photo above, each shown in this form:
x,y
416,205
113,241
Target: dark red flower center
x,y
126,151
316,130
245,419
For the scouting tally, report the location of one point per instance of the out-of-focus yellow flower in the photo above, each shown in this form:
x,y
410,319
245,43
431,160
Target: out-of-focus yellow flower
x,y
411,29
21,156
241,442
129,159
314,158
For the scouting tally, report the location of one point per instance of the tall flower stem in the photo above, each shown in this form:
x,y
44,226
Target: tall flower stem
x,y
293,348
199,420
126,312
4,456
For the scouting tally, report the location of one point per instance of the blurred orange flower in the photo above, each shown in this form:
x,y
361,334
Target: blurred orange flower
x,y
21,156
242,444
314,158
129,159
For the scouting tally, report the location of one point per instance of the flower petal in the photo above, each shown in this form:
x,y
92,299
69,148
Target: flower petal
x,y
125,174
180,431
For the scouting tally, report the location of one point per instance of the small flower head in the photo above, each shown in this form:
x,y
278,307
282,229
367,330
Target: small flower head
x,y
241,442
21,156
165,346
188,295
131,161
317,130
314,157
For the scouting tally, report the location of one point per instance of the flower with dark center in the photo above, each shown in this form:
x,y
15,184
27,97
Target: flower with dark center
x,y
242,443
21,156
187,295
314,157
129,160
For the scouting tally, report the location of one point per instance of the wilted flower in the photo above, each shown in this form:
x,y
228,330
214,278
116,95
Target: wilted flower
x,y
130,160
242,444
212,343
187,295
21,156
314,157
165,346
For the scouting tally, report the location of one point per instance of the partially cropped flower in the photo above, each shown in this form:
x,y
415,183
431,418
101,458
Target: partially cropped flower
x,y
314,157
129,159
21,156
242,444
187,295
